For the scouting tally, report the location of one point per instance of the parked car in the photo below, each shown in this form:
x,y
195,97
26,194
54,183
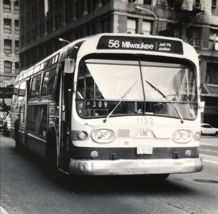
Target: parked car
x,y
2,117
7,124
207,129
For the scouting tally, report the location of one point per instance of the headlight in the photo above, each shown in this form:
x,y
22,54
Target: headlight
x,y
108,135
103,135
98,135
186,135
177,135
182,136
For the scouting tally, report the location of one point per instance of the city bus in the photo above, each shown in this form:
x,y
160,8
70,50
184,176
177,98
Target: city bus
x,y
112,104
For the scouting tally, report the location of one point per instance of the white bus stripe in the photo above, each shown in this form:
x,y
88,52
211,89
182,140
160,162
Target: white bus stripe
x,y
2,210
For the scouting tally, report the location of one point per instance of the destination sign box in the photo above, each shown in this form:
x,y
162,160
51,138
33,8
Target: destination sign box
x,y
140,43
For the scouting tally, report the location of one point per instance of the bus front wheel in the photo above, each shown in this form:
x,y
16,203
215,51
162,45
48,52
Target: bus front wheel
x,y
158,177
17,141
51,153
17,145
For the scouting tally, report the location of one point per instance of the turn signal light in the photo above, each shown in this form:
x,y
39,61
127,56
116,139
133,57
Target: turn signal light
x,y
82,135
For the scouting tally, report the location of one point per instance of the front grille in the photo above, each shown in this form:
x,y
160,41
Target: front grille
x,y
123,132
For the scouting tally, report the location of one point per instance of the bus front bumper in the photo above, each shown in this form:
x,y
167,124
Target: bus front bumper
x,y
135,167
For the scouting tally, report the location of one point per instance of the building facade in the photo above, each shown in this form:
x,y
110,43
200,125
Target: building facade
x,y
43,22
9,43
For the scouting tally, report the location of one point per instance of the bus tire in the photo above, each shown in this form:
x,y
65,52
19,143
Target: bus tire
x,y
74,182
16,138
17,145
51,153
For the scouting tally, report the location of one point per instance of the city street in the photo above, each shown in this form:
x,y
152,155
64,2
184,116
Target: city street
x,y
26,188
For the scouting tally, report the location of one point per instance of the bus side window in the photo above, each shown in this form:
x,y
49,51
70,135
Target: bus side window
x,y
21,92
35,87
48,82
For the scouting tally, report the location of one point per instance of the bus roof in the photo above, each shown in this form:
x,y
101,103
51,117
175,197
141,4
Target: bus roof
x,y
137,43
119,43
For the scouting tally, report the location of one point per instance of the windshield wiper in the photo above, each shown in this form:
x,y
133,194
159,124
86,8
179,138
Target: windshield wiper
x,y
176,109
105,120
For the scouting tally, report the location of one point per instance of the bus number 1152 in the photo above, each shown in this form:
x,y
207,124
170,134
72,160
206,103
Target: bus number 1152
x,y
145,120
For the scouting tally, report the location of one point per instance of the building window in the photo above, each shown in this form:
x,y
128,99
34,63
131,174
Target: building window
x,y
214,3
211,73
77,10
131,26
22,40
194,37
48,82
7,6
47,25
17,66
59,20
7,46
16,7
197,3
7,25
89,6
16,47
147,2
213,40
35,87
146,28
7,67
21,23
105,2
29,36
16,26
162,25
105,25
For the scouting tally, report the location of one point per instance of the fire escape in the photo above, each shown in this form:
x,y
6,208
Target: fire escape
x,y
188,9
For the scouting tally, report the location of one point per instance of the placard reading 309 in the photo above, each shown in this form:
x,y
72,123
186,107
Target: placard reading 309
x,y
95,104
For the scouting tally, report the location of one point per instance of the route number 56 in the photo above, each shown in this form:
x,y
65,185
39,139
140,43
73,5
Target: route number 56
x,y
114,43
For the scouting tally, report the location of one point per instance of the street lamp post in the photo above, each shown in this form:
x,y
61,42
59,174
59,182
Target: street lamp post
x,y
139,9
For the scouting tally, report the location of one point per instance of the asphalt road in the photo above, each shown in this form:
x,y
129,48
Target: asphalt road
x,y
26,188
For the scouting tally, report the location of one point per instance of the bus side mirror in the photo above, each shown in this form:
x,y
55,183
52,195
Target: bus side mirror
x,y
69,66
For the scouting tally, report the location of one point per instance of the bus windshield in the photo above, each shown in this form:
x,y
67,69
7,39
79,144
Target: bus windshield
x,y
129,87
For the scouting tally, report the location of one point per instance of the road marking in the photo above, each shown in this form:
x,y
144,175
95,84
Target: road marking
x,y
2,210
208,144
207,150
210,161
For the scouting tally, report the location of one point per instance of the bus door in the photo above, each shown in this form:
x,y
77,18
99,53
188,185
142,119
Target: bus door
x,y
65,119
26,98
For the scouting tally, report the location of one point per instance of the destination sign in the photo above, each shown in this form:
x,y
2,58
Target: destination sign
x,y
140,43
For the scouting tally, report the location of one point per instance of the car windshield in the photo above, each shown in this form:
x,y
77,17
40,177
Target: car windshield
x,y
135,87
